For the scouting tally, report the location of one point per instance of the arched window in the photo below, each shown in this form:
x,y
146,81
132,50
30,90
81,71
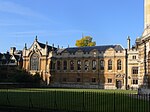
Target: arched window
x,y
71,65
58,65
109,64
78,65
34,62
94,65
119,64
102,64
65,65
86,65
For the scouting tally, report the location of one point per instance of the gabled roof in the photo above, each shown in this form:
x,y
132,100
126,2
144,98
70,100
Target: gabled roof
x,y
99,48
49,47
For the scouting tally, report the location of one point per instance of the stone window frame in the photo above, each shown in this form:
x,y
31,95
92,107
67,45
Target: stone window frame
x,y
109,80
109,64
86,65
94,64
71,65
135,81
134,57
93,79
34,62
64,65
119,64
79,65
102,64
135,70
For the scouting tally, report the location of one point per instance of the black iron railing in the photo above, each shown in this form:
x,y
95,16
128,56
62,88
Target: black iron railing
x,y
78,101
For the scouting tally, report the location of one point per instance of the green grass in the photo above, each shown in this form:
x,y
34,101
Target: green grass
x,y
84,100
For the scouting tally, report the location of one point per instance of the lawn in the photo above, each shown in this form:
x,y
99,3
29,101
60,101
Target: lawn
x,y
82,100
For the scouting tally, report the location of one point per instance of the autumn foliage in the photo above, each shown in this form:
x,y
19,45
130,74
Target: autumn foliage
x,y
85,41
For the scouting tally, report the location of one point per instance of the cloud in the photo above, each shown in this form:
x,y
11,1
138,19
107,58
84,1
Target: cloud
x,y
14,8
48,32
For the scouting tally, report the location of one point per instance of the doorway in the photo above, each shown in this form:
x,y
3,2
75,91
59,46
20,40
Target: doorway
x,y
118,84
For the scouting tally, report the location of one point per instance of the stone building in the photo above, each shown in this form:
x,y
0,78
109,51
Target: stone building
x,y
94,67
12,58
37,59
108,66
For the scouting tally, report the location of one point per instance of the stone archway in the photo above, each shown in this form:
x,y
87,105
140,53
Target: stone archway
x,y
119,81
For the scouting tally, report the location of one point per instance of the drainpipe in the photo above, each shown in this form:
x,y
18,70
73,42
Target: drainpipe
x,y
126,72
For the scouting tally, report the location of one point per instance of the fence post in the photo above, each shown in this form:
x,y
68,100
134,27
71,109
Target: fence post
x,y
83,102
114,101
55,104
30,101
8,102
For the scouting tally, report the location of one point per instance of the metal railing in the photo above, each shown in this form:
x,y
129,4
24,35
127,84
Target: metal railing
x,y
77,101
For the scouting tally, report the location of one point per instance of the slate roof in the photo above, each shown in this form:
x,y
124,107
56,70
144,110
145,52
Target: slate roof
x,y
17,57
7,56
88,49
43,46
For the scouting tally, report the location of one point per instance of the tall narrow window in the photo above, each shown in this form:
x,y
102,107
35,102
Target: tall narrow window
x,y
86,65
71,65
34,62
94,65
65,65
58,65
109,64
78,65
102,64
119,64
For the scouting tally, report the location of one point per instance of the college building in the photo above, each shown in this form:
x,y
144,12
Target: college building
x,y
106,66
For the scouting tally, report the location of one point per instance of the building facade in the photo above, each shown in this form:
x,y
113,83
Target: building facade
x,y
108,66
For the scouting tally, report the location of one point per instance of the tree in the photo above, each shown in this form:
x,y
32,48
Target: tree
x,y
85,41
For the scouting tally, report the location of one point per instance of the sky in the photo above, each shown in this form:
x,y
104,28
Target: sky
x,y
62,22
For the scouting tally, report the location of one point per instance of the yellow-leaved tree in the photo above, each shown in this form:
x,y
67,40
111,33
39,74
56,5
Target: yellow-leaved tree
x,y
85,41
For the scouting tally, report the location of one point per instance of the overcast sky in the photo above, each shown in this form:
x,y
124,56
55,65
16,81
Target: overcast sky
x,y
62,22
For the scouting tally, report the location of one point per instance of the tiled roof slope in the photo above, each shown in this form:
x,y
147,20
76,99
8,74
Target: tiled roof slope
x,y
49,47
88,49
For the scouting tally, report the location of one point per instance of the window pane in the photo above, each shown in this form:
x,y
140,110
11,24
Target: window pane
x,y
86,66
135,70
79,65
71,65
109,65
102,64
119,64
94,64
65,65
34,62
